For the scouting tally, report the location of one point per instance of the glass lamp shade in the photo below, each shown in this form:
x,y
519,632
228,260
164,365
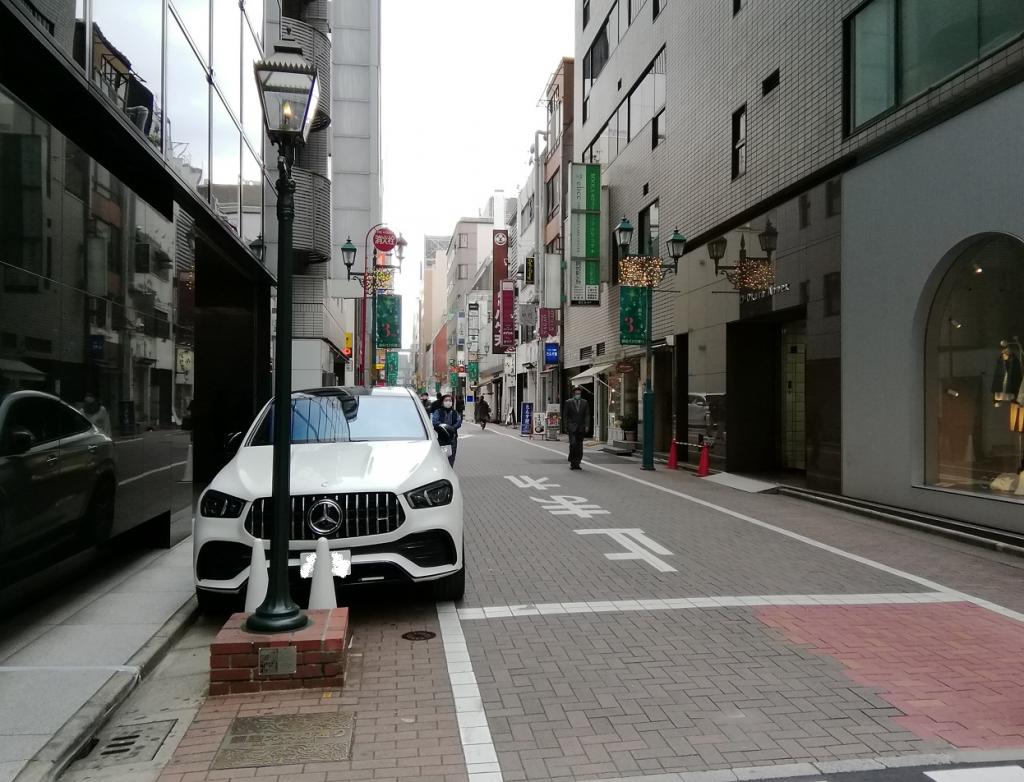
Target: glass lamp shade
x,y
289,91
769,237
676,245
348,252
624,235
716,248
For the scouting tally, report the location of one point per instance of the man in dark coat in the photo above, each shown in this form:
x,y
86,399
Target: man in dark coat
x,y
576,414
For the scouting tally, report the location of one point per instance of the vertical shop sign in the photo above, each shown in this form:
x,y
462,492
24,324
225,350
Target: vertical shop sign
x,y
508,306
632,315
585,234
499,272
548,322
391,368
474,371
389,321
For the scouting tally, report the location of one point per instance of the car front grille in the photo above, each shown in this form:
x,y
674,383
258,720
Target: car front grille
x,y
365,513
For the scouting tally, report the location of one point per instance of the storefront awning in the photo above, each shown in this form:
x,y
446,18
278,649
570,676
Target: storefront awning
x,y
19,370
589,375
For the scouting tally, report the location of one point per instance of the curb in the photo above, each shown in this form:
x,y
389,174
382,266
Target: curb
x,y
68,743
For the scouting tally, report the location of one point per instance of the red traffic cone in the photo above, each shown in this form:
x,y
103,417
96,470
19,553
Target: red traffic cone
x,y
673,460
702,465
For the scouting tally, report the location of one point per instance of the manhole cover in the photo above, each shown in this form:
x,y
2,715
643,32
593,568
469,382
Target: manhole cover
x,y
285,739
419,635
129,744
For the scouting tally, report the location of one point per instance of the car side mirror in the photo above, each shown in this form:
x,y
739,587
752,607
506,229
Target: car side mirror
x,y
445,434
232,443
21,441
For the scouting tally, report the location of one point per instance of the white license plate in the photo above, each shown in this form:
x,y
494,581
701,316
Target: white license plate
x,y
341,564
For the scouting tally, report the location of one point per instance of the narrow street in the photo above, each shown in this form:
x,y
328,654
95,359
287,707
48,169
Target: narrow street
x,y
620,624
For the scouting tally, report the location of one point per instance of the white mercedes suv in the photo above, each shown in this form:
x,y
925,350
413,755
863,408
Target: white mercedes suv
x,y
368,472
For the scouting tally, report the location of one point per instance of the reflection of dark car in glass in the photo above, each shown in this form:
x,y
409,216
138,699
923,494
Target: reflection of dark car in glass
x,y
57,478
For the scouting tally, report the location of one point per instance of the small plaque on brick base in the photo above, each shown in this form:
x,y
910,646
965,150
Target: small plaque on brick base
x,y
280,660
313,656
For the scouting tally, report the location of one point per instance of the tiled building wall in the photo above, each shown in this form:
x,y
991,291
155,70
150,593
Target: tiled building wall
x,y
716,63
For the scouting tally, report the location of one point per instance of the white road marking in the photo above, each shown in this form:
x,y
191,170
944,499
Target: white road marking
x,y
681,603
926,583
566,505
526,482
990,774
477,744
634,541
134,478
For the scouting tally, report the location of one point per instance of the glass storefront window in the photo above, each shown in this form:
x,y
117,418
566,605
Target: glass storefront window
x,y
227,52
254,13
188,96
195,15
126,66
252,111
975,402
225,164
1001,22
252,197
93,325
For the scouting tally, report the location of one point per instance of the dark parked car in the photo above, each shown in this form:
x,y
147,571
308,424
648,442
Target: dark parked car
x,y
57,477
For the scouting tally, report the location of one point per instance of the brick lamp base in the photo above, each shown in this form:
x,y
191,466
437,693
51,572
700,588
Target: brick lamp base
x,y
314,656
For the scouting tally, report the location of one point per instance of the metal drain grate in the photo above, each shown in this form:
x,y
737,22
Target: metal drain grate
x,y
418,635
129,744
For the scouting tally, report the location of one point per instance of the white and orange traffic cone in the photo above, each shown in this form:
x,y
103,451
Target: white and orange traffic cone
x,y
704,464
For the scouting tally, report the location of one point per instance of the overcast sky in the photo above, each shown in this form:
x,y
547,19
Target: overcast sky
x,y
460,82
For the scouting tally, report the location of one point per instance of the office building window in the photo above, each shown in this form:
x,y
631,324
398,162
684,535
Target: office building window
x,y
736,6
833,197
739,142
463,271
553,194
649,230
658,131
463,240
604,43
770,83
635,7
586,13
804,204
659,6
899,49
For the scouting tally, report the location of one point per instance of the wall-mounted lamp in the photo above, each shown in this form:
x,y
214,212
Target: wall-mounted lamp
x,y
955,323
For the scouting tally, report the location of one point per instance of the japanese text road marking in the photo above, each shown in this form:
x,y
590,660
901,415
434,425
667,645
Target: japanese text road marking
x,y
564,505
634,540
526,482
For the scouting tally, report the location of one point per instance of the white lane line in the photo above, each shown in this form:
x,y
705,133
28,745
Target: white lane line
x,y
728,601
477,744
926,583
151,472
991,774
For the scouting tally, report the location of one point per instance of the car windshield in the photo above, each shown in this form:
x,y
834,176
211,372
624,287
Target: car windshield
x,y
344,417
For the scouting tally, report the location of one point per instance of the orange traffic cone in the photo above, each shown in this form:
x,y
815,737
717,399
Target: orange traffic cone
x,y
702,465
673,460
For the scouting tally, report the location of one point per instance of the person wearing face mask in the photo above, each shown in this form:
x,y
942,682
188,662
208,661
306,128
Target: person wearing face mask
x,y
447,414
576,414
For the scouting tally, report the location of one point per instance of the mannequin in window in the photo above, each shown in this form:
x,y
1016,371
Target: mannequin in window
x,y
1006,379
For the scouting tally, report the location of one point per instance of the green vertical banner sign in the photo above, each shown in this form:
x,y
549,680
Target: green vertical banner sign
x,y
584,234
632,315
389,321
453,381
391,368
474,370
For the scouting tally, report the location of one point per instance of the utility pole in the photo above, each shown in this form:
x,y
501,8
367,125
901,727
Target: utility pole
x,y
540,214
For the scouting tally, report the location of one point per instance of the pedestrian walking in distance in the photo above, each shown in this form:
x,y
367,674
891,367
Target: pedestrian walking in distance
x,y
483,413
426,402
576,414
447,414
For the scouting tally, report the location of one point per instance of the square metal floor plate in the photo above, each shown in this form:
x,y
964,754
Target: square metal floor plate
x,y
137,743
286,739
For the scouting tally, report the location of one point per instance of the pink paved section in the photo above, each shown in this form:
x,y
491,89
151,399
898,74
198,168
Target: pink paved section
x,y
955,670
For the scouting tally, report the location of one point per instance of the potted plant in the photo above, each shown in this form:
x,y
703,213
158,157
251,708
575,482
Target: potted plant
x,y
628,424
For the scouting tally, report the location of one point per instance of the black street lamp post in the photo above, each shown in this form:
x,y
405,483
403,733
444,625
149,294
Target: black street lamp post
x,y
676,245
289,92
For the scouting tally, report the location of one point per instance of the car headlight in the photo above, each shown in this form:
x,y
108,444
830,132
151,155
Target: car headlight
x,y
431,495
217,505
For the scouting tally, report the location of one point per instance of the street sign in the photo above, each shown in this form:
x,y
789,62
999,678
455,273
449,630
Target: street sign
x,y
632,315
389,321
384,240
391,368
551,352
526,419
